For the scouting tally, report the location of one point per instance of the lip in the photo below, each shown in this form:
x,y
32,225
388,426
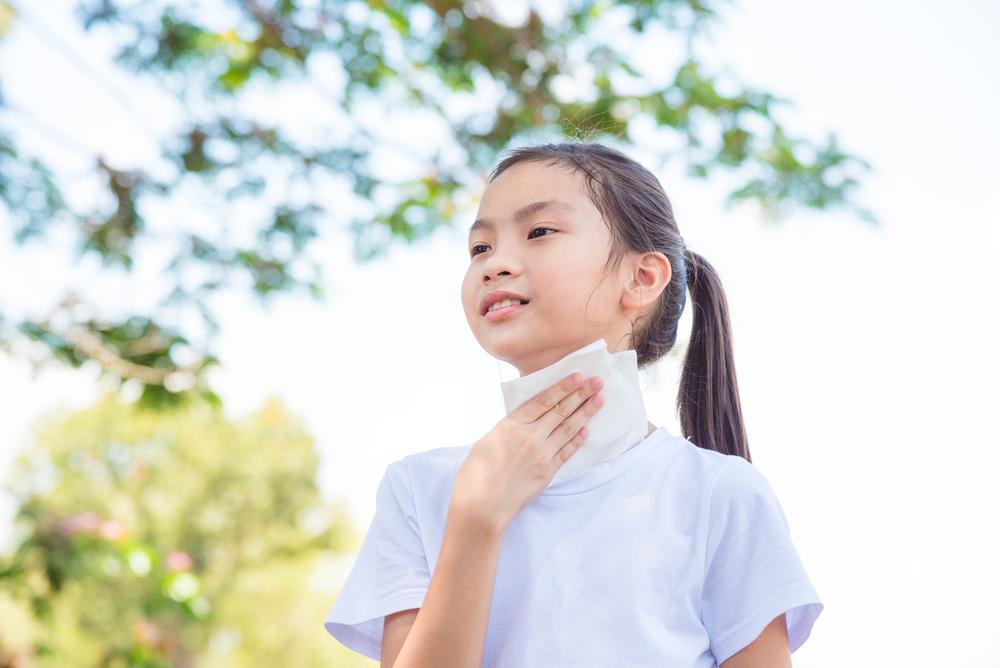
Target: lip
x,y
497,296
505,312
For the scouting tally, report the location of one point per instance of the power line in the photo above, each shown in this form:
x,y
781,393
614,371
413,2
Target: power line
x,y
63,138
53,41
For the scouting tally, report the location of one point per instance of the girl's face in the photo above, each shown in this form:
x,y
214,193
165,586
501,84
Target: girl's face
x,y
554,256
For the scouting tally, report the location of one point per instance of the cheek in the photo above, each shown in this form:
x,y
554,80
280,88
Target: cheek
x,y
562,295
472,291
467,292
568,276
570,290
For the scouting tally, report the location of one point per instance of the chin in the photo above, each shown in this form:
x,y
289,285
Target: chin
x,y
503,353
509,351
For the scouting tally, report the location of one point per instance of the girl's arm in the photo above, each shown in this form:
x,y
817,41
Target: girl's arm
x,y
499,476
449,630
770,649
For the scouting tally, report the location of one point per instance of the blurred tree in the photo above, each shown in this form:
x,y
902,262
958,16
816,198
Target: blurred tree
x,y
151,538
438,58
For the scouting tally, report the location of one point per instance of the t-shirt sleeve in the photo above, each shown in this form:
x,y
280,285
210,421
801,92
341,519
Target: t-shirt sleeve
x,y
390,572
753,572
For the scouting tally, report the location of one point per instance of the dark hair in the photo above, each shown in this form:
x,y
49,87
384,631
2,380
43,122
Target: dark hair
x,y
640,218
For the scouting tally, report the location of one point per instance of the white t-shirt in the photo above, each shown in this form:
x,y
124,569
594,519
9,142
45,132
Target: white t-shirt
x,y
668,554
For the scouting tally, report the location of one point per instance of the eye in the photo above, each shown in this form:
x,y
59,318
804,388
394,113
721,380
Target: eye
x,y
541,228
473,252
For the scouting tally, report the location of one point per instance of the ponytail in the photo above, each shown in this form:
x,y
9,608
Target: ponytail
x,y
709,400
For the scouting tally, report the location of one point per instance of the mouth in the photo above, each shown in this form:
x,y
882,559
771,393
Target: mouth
x,y
505,312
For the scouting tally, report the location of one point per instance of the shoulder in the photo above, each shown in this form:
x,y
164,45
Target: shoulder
x,y
706,468
720,481
436,458
736,477
434,461
429,471
739,482
739,503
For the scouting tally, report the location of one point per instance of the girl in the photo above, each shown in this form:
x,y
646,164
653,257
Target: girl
x,y
672,552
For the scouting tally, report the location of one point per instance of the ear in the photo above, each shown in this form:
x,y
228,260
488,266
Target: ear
x,y
650,274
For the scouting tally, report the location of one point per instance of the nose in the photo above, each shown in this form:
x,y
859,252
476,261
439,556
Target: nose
x,y
487,275
498,264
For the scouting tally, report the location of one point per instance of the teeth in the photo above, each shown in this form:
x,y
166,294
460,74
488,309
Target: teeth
x,y
504,303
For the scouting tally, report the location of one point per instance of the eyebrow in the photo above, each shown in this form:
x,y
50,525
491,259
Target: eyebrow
x,y
524,212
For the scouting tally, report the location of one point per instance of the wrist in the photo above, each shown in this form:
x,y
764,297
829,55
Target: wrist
x,y
474,520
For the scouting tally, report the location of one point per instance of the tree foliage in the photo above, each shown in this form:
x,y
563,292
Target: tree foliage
x,y
152,537
400,56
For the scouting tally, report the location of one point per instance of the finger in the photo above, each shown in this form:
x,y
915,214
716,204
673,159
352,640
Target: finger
x,y
565,452
566,430
551,420
543,402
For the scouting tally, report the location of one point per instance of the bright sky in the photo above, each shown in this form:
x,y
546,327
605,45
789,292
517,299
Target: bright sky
x,y
866,358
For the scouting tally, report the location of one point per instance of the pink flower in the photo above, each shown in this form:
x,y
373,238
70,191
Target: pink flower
x,y
146,632
111,529
87,522
178,561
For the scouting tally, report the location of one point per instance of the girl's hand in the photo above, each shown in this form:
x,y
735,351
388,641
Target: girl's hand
x,y
517,459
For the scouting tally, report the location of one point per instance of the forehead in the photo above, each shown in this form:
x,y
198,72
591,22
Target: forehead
x,y
531,187
536,180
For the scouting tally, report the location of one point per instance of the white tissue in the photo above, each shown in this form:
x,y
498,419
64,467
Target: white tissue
x,y
617,426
